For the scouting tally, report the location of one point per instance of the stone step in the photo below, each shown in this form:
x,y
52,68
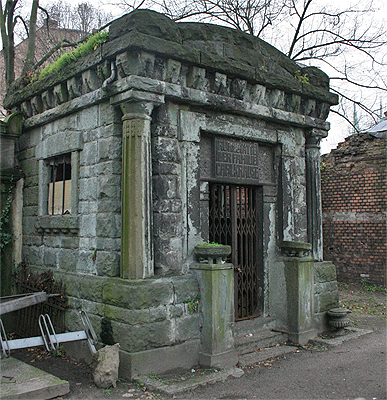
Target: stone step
x,y
23,381
253,325
264,354
252,341
258,333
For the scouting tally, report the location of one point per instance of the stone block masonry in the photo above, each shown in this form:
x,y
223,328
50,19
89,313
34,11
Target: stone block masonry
x,y
142,144
146,317
354,197
91,235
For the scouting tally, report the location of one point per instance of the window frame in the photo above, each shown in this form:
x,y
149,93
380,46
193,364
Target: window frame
x,y
59,168
61,144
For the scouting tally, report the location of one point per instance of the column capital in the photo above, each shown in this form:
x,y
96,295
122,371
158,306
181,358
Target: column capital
x,y
136,110
313,138
136,96
131,115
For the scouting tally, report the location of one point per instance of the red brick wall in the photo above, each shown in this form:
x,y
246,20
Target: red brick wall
x,y
354,193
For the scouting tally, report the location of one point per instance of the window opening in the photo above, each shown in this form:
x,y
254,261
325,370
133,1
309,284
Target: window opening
x,y
59,186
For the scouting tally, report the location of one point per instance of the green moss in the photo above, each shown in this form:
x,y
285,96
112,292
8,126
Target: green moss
x,y
84,48
301,78
193,304
212,244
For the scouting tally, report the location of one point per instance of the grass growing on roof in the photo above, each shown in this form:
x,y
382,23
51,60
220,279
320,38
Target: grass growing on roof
x,y
84,48
211,244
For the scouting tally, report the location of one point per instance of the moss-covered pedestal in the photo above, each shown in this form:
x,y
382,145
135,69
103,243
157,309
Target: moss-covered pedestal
x,y
216,280
299,273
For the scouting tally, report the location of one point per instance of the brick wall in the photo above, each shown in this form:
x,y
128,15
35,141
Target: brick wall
x,y
354,192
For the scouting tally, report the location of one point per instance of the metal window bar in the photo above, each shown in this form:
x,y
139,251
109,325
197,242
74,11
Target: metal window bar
x,y
64,185
53,180
60,167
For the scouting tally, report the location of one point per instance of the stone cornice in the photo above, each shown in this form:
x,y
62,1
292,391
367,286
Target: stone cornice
x,y
244,65
150,89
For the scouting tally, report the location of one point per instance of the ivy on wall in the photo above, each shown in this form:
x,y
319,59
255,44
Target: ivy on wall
x,y
6,235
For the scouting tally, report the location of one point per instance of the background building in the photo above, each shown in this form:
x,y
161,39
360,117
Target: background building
x,y
354,193
47,37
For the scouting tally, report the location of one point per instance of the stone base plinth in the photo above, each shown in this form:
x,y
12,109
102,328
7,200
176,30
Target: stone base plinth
x,y
221,360
302,338
157,361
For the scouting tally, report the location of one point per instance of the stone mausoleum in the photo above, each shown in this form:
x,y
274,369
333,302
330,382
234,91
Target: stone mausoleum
x,y
166,138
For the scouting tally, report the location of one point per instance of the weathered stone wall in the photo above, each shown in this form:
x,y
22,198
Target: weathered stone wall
x,y
354,193
326,295
175,86
93,244
142,314
167,193
146,317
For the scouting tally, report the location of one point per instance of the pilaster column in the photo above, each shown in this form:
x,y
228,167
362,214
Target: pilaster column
x,y
313,191
136,184
136,192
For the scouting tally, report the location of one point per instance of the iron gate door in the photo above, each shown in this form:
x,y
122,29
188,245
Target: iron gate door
x,y
235,219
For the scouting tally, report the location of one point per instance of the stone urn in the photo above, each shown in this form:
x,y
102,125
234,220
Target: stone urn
x,y
338,319
296,249
212,253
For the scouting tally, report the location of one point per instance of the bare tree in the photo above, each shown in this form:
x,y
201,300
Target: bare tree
x,y
45,30
250,16
9,16
345,41
87,17
130,5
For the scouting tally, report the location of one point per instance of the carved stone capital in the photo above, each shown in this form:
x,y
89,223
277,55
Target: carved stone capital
x,y
136,110
313,138
137,98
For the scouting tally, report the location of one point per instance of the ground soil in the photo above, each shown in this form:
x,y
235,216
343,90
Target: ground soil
x,y
367,305
368,311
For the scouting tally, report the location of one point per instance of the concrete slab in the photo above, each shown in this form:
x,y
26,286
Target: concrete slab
x,y
352,333
264,354
22,381
189,384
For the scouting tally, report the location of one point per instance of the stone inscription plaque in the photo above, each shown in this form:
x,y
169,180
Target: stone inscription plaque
x,y
236,159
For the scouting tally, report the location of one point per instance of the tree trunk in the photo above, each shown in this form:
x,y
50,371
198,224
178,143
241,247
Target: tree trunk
x,y
30,57
7,36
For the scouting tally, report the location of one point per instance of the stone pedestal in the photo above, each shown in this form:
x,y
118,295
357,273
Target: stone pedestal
x,y
299,275
217,306
338,319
